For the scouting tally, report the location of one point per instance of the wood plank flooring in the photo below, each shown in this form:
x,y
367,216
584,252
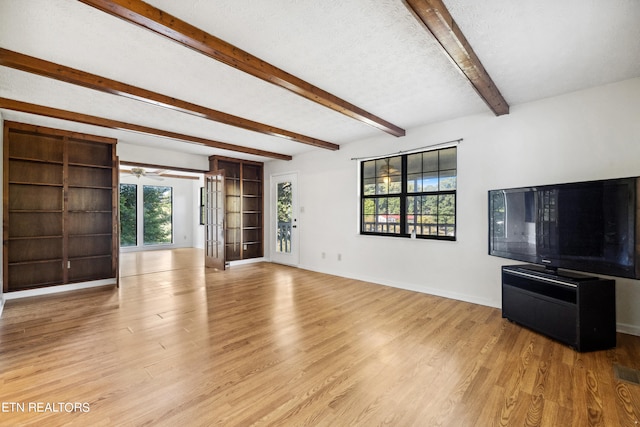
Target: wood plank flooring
x,y
263,344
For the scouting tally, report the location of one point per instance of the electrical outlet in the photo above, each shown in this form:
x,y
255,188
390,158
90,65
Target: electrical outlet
x,y
324,255
339,257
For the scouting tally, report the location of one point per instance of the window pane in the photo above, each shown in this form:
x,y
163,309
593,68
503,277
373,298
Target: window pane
x,y
414,183
430,161
446,204
157,214
413,208
369,186
430,205
395,184
411,204
382,167
388,175
382,206
369,215
285,214
381,215
429,225
448,180
369,169
395,167
414,163
430,181
393,204
128,214
446,215
448,159
369,207
382,185
429,215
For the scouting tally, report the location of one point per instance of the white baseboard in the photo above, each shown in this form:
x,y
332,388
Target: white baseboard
x,y
625,328
59,288
414,288
246,261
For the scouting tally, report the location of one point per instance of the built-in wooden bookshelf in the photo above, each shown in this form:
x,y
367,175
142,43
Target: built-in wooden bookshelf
x,y
60,207
244,204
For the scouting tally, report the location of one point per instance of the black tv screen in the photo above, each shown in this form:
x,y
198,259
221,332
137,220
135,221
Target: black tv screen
x,y
585,226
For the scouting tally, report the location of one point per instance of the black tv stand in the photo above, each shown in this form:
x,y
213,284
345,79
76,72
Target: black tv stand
x,y
575,309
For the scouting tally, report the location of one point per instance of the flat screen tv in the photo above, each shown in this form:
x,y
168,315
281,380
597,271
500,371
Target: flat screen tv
x,y
584,226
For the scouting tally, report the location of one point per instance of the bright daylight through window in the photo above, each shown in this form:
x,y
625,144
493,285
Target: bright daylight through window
x,y
410,193
156,215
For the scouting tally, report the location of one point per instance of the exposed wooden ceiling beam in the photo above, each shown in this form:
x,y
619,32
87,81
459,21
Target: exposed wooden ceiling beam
x,y
52,70
25,107
149,17
434,14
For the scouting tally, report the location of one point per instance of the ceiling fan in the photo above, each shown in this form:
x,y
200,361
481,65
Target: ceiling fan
x,y
141,172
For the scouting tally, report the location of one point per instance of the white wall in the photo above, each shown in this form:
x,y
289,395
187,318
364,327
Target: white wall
x,y
586,135
138,153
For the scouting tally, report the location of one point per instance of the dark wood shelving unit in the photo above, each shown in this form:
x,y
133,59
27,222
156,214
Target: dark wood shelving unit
x,y
244,205
60,207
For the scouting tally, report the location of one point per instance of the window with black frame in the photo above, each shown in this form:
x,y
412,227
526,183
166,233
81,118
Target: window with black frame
x,y
410,193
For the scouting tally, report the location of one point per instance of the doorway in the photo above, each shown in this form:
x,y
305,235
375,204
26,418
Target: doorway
x,y
284,219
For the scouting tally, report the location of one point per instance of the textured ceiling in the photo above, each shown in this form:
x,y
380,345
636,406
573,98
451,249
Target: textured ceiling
x,y
372,53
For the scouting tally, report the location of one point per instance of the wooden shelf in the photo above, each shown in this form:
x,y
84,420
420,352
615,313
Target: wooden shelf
x,y
36,160
91,165
244,206
59,189
90,187
35,211
36,237
40,261
36,184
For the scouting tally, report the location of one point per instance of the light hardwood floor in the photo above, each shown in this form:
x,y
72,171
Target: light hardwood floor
x,y
265,344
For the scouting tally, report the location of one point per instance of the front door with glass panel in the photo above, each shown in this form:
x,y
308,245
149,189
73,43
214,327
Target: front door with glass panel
x,y
285,226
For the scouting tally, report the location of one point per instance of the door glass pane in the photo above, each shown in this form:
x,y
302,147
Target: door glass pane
x,y
285,210
128,214
157,214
